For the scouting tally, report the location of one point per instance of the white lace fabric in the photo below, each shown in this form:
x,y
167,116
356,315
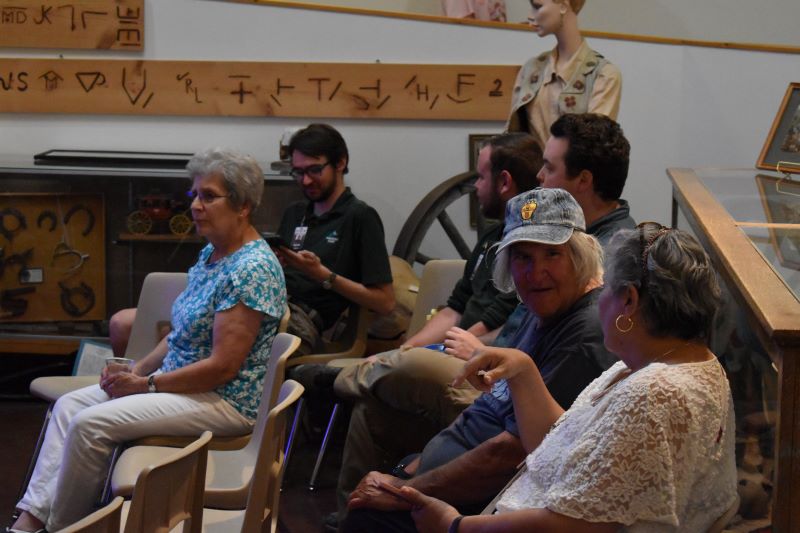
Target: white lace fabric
x,y
654,452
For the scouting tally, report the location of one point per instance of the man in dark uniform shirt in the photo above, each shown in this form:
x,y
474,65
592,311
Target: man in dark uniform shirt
x,y
337,251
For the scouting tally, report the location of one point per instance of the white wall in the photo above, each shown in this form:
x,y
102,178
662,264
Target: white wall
x,y
680,106
744,21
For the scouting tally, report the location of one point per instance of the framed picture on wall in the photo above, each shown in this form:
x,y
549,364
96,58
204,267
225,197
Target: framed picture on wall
x,y
781,151
781,200
474,146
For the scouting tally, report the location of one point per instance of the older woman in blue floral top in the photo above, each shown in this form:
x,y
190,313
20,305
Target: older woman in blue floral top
x,y
206,375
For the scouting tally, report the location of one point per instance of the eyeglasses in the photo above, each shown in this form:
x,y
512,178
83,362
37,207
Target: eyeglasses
x,y
312,171
205,197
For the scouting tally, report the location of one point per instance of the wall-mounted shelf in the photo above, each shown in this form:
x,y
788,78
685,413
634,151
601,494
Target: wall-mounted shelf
x,y
161,237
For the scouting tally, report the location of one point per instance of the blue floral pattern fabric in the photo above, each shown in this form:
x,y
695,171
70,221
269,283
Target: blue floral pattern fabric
x,y
251,275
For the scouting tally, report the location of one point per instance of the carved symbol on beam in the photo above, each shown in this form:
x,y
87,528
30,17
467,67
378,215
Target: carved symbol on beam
x,y
383,102
457,100
45,16
497,91
376,88
51,79
89,80
241,92
95,13
362,102
280,86
13,15
188,86
335,90
132,94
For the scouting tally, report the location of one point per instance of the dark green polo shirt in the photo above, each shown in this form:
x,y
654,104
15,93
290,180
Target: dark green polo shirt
x,y
348,239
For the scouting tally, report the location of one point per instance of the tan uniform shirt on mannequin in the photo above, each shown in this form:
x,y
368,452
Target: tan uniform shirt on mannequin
x,y
543,109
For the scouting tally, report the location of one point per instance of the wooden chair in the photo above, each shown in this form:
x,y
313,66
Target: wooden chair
x,y
229,472
260,514
105,520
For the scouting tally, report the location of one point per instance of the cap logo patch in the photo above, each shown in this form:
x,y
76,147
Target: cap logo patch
x,y
527,210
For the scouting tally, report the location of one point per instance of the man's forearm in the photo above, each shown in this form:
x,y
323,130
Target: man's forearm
x,y
475,476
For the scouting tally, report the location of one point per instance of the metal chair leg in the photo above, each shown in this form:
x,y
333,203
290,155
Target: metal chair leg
x,y
323,447
36,451
105,497
298,415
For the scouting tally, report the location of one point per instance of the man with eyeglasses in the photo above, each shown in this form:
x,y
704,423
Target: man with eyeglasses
x,y
336,251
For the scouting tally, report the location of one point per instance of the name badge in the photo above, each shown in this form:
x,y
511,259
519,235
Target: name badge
x,y
299,237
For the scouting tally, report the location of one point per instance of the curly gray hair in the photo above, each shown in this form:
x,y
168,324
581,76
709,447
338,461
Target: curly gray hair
x,y
678,289
241,173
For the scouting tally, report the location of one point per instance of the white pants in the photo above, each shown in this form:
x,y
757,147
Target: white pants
x,y
87,425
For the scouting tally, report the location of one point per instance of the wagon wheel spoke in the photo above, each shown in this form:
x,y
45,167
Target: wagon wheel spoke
x,y
432,208
455,236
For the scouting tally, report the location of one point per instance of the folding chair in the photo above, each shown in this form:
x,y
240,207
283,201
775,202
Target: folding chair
x,y
170,492
438,279
352,342
105,520
229,472
159,291
260,514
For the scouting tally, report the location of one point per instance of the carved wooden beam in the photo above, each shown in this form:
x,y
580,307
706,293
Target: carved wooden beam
x,y
349,90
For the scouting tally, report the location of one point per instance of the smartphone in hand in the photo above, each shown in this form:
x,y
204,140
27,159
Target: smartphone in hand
x,y
275,241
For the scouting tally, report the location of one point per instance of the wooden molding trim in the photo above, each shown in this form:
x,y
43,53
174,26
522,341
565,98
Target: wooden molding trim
x,y
757,47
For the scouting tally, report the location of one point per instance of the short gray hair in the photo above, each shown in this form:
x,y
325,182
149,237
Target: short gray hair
x,y
584,251
243,177
678,289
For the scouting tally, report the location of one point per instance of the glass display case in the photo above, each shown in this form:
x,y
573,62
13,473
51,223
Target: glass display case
x,y
749,222
76,242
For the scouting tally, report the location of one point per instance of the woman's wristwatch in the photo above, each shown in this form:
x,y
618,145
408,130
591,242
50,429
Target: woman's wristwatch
x,y
455,523
328,283
151,383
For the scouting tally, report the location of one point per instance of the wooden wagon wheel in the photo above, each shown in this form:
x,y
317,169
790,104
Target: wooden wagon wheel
x,y
139,223
180,224
433,207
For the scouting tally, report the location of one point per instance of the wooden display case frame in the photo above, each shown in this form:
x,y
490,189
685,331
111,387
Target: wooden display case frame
x,y
772,311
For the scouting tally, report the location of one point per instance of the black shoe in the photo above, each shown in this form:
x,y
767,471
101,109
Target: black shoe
x,y
330,524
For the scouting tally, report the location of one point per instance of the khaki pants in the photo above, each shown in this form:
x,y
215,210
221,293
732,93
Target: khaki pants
x,y
402,399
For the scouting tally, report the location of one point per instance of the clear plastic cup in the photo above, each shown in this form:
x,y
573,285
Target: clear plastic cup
x,y
119,364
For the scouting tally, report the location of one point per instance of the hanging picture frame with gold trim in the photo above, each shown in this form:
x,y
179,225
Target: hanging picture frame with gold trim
x,y
781,151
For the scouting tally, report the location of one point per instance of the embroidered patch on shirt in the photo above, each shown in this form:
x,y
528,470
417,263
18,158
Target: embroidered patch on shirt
x,y
332,237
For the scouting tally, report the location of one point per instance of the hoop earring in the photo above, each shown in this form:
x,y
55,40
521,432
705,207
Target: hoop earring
x,y
630,324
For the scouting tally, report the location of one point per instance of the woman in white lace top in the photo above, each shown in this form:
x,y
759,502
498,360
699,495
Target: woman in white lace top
x,y
649,445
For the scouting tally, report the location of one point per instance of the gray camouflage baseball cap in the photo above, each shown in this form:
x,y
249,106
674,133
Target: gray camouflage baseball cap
x,y
547,216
